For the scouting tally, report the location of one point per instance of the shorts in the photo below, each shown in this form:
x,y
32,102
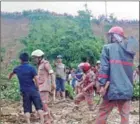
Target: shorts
x,y
29,98
60,84
44,97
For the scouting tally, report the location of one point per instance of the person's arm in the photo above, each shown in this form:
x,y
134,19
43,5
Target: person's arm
x,y
134,77
78,75
36,81
35,76
77,78
69,77
90,85
53,81
51,72
104,67
92,80
64,69
11,75
104,89
107,85
81,82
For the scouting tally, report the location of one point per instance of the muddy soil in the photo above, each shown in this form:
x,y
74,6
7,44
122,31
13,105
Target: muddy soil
x,y
64,114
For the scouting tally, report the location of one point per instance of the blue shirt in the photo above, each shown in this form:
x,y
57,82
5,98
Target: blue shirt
x,y
79,74
26,73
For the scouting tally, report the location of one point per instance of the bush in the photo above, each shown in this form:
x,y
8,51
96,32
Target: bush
x,y
70,37
10,90
69,90
136,93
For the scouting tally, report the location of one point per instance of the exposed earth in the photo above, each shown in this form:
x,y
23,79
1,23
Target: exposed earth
x,y
65,114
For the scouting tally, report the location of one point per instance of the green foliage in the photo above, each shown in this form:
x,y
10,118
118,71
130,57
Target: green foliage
x,y
107,27
136,92
71,37
69,88
10,89
2,52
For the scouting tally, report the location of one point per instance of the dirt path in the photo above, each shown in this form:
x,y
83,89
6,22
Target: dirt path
x,y
64,114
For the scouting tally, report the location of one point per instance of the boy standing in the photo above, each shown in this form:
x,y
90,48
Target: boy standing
x,y
87,88
60,77
26,73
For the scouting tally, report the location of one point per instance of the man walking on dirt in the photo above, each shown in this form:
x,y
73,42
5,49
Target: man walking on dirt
x,y
87,87
60,77
116,67
26,75
46,81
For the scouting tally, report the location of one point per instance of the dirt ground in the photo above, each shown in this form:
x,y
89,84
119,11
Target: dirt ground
x,y
65,114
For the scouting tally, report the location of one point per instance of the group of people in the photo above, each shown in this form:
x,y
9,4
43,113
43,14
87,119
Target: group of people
x,y
112,78
75,75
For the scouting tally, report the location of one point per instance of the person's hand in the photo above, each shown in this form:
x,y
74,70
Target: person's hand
x,y
53,86
84,89
79,84
102,91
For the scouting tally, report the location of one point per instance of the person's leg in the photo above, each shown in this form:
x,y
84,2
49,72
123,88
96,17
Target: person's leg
x,y
124,110
75,86
62,86
80,97
36,99
41,116
104,110
47,114
27,105
58,88
27,116
97,85
44,99
76,89
73,83
89,99
21,104
79,90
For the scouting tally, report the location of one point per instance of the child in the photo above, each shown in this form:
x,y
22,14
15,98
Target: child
x,y
87,88
60,69
26,73
46,82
